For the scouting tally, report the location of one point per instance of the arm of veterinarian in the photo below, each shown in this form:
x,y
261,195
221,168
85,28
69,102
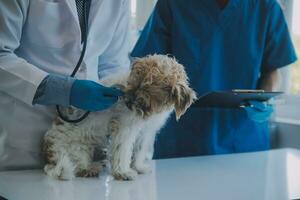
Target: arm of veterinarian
x,y
258,111
20,79
270,81
110,62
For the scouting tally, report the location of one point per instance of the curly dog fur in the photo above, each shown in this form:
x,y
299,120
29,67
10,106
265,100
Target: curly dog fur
x,y
155,87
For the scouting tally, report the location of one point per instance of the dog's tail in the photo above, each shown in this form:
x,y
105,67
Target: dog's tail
x,y
62,170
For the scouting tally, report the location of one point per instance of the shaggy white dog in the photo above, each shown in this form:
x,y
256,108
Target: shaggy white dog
x,y
155,87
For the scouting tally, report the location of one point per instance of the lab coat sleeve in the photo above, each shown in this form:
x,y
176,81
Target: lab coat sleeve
x,y
54,90
279,50
18,78
156,35
116,57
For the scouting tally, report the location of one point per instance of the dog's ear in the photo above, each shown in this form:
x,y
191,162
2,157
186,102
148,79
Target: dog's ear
x,y
183,97
137,71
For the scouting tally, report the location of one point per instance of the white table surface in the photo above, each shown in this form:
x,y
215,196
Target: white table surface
x,y
270,175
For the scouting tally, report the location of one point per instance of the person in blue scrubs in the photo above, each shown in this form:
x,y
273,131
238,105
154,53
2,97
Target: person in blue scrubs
x,y
224,45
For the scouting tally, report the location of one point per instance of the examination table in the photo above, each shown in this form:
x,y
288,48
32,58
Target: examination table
x,y
268,175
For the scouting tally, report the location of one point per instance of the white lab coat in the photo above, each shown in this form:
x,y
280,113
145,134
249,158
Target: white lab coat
x,y
38,37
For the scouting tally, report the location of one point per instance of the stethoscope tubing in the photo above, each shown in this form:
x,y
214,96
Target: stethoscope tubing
x,y
87,5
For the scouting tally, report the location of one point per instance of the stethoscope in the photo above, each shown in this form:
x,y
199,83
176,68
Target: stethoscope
x,y
86,9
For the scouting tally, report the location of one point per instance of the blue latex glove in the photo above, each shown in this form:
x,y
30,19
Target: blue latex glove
x,y
91,96
258,111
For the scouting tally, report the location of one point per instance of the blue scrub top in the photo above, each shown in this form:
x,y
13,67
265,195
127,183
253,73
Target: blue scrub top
x,y
221,50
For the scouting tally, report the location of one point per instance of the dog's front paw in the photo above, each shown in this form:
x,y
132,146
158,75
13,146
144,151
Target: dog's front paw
x,y
59,172
143,168
91,171
125,175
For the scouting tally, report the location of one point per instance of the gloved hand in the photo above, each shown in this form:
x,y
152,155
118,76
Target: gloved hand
x,y
91,96
258,111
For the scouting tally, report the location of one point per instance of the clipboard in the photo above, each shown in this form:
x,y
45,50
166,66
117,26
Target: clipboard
x,y
233,99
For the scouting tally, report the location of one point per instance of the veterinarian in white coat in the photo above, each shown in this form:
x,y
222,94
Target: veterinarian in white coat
x,y
39,38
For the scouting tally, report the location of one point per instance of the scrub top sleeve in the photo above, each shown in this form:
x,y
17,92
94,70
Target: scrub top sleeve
x,y
156,35
279,50
115,58
18,78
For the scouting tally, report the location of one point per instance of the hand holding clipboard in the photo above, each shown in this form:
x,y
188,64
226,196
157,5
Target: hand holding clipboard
x,y
233,99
